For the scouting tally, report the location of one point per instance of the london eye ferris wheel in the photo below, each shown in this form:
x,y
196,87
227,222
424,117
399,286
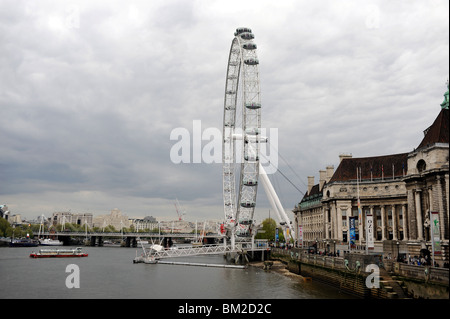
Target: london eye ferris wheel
x,y
241,136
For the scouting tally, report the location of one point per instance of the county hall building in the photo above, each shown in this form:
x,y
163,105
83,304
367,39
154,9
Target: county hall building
x,y
400,191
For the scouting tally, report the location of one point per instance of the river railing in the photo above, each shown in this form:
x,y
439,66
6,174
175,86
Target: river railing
x,y
423,272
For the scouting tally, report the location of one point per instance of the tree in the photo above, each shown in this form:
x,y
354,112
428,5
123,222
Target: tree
x,y
268,226
110,229
19,231
5,230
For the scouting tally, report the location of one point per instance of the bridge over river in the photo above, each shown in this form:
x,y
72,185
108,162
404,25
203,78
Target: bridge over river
x,y
130,239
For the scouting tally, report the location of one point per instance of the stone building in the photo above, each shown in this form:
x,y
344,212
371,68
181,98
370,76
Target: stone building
x,y
72,218
400,191
312,214
146,223
4,212
115,219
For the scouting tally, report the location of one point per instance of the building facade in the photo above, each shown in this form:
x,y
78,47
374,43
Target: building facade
x,y
115,219
72,218
147,223
404,193
4,212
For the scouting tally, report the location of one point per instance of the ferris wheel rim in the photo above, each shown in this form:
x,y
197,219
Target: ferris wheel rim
x,y
243,75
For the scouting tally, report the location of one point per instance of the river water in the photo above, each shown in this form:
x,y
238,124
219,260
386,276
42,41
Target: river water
x,y
109,272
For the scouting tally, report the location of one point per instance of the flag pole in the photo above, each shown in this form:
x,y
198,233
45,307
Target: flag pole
x,y
359,205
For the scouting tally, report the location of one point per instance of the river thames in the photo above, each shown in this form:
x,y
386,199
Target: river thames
x,y
109,273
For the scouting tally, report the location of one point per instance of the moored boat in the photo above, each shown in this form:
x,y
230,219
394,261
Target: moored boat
x,y
146,259
23,242
50,242
58,253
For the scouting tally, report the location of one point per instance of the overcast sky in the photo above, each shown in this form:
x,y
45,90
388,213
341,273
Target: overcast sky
x,y
90,92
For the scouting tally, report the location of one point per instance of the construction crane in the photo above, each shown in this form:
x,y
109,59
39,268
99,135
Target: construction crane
x,y
179,213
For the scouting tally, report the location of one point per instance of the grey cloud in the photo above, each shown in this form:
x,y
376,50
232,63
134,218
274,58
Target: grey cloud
x,y
87,109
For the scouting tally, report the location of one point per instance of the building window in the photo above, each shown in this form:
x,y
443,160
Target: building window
x,y
421,166
344,217
378,216
390,217
379,222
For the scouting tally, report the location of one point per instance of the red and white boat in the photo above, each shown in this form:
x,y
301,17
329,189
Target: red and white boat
x,y
58,253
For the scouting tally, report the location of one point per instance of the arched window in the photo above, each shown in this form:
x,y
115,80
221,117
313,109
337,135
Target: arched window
x,y
421,166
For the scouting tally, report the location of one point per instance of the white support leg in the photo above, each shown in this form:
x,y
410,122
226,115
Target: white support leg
x,y
274,200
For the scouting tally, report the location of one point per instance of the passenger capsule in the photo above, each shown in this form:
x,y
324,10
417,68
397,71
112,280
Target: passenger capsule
x,y
242,30
251,158
247,36
250,182
249,46
242,233
255,139
248,204
253,105
252,131
251,61
245,221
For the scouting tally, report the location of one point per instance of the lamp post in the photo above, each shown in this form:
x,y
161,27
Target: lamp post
x,y
398,251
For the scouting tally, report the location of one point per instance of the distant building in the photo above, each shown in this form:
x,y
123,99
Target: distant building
x,y
148,222
115,219
400,191
72,218
15,219
4,211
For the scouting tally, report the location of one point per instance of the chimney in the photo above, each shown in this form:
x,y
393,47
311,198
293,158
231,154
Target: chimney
x,y
322,178
310,183
330,172
343,156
